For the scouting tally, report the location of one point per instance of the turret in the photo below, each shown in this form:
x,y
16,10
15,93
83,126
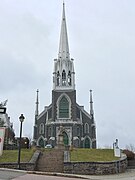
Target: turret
x,y
37,103
36,115
91,105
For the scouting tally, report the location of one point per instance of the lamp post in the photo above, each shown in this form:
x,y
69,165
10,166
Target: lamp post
x,y
21,118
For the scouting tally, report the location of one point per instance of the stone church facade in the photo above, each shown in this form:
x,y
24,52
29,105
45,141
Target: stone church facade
x,y
79,128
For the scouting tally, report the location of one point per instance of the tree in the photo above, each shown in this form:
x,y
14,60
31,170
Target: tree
x,y
130,147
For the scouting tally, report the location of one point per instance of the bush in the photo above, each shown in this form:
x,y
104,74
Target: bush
x,y
130,155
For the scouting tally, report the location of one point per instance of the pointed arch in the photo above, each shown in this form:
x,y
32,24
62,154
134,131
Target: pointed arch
x,y
58,78
78,131
40,141
87,142
63,107
41,128
69,78
65,138
63,78
86,128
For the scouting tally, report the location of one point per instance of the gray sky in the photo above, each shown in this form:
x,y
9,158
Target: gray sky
x,y
101,40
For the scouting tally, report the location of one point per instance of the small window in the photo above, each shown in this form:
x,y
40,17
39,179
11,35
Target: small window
x,y
69,78
41,129
86,128
49,131
58,78
78,131
63,78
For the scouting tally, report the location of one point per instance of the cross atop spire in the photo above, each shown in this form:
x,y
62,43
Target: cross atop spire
x,y
63,46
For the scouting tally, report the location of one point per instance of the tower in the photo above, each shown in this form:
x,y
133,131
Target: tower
x,y
78,126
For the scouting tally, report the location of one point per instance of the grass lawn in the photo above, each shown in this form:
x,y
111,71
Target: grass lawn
x,y
87,155
12,155
77,155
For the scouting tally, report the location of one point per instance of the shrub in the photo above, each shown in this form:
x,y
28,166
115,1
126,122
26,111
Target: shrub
x,y
130,155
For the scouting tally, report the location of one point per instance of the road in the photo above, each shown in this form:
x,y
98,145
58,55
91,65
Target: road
x,y
22,175
43,177
6,174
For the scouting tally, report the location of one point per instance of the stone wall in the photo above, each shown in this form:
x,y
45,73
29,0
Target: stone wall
x,y
29,166
92,168
23,166
96,168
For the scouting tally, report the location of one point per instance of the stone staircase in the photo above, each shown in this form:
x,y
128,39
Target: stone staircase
x,y
131,164
51,160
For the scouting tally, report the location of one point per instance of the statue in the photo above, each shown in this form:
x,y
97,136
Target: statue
x,y
60,141
117,151
115,144
4,103
61,129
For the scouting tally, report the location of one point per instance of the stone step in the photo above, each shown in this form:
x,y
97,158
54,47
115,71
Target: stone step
x,y
51,161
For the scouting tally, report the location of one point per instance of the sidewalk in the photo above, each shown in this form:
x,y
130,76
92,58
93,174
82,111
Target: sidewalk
x,y
128,175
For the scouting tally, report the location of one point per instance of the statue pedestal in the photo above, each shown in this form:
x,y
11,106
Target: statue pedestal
x,y
60,143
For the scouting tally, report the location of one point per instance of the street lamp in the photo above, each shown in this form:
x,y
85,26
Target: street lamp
x,y
21,118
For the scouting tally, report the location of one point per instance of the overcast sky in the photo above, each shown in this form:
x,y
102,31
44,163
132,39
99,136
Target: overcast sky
x,y
101,40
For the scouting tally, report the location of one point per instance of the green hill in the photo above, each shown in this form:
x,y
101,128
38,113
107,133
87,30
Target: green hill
x,y
77,155
12,155
87,155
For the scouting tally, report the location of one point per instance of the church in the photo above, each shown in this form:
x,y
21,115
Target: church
x,y
78,126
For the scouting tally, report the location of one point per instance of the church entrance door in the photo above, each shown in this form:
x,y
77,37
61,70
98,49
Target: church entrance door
x,y
87,143
65,139
41,143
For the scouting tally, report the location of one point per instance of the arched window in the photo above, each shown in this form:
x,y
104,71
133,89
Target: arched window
x,y
86,128
58,78
63,78
69,78
41,128
78,131
63,108
41,142
65,138
93,131
49,131
87,143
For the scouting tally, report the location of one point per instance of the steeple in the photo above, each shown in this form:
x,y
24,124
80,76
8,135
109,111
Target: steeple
x,y
63,75
91,105
37,103
63,46
36,115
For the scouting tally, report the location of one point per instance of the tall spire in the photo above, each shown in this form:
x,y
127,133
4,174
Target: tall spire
x,y
91,105
37,103
36,115
63,75
63,46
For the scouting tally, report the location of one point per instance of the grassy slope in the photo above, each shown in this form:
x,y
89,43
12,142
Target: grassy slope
x,y
12,155
87,155
79,155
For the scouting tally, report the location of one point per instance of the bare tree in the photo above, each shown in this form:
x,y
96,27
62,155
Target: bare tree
x,y
130,147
